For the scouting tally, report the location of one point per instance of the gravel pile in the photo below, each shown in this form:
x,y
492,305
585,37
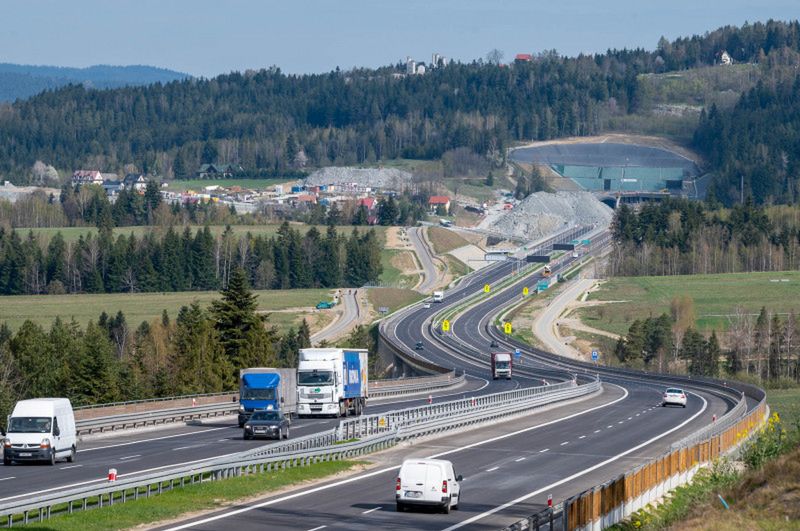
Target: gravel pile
x,y
382,178
542,214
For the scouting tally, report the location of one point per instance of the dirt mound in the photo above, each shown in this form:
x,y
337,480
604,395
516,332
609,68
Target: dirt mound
x,y
542,214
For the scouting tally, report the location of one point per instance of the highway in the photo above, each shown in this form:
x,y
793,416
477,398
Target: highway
x,y
509,468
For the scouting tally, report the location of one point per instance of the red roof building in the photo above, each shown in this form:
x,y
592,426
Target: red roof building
x,y
525,57
368,202
439,200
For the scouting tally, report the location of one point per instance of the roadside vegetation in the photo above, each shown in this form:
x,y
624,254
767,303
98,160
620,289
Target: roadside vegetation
x,y
204,496
444,240
761,488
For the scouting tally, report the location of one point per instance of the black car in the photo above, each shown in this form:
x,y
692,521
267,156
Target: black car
x,y
270,424
494,344
418,346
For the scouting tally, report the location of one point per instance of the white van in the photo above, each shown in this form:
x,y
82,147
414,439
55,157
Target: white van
x,y
42,429
431,482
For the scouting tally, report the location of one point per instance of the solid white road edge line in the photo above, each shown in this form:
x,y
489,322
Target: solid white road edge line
x,y
140,441
388,469
371,510
579,474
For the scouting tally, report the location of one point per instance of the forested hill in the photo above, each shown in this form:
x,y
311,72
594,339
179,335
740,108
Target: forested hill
x,y
269,122
755,145
24,81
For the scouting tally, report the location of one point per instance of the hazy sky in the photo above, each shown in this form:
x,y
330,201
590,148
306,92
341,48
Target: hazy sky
x,y
209,37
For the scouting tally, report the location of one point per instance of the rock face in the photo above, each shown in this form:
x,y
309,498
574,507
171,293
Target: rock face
x,y
542,214
380,178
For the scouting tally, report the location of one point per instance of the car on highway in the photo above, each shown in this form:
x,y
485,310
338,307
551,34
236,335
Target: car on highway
x,y
493,344
427,306
673,396
324,305
270,424
418,346
427,482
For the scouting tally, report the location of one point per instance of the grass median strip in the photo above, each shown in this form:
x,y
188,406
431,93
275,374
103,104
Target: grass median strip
x,y
190,499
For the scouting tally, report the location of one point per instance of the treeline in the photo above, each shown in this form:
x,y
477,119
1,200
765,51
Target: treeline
x,y
754,148
185,261
199,351
681,237
763,346
271,122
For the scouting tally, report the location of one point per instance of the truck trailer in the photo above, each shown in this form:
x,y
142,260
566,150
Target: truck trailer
x,y
262,388
332,381
501,365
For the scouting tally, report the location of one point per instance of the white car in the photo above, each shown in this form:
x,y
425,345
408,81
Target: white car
x,y
673,396
427,306
428,482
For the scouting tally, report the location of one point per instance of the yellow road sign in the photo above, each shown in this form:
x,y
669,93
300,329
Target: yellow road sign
x,y
525,291
382,422
507,328
487,288
445,326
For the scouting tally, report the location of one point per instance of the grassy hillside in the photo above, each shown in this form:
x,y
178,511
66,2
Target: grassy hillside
x,y
444,241
715,297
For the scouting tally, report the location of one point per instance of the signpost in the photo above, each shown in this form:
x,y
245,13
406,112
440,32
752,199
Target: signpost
x,y
445,326
487,288
507,328
517,354
594,356
525,291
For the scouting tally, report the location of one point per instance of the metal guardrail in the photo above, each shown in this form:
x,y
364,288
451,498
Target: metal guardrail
x,y
547,519
331,445
418,384
151,400
146,418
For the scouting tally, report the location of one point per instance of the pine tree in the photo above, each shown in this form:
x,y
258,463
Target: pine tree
x,y
179,166
304,335
241,329
387,211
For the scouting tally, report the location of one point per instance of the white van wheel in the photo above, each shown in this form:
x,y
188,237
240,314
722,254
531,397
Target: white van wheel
x,y
53,457
71,457
446,508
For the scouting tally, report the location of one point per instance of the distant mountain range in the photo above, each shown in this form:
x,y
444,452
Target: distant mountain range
x,y
24,81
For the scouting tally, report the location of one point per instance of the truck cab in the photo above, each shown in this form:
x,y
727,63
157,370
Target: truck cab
x,y
266,389
438,296
501,365
332,381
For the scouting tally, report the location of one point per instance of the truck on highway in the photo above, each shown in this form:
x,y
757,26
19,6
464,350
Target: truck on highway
x,y
262,388
438,296
501,365
332,381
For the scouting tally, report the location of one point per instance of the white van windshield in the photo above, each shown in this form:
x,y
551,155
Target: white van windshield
x,y
29,425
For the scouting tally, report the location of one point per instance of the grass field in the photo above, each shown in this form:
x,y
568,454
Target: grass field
x,y
392,298
444,241
73,233
715,298
397,265
138,307
180,185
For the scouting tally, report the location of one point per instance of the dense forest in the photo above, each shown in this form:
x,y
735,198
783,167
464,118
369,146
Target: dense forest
x,y
184,261
271,122
755,147
681,237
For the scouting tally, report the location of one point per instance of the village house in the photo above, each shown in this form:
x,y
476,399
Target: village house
x,y
439,201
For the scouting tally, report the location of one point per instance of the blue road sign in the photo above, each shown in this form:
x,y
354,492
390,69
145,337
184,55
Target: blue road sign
x,y
594,355
517,354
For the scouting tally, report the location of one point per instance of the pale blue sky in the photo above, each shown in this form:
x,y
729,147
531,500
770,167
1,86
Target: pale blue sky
x,y
209,37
